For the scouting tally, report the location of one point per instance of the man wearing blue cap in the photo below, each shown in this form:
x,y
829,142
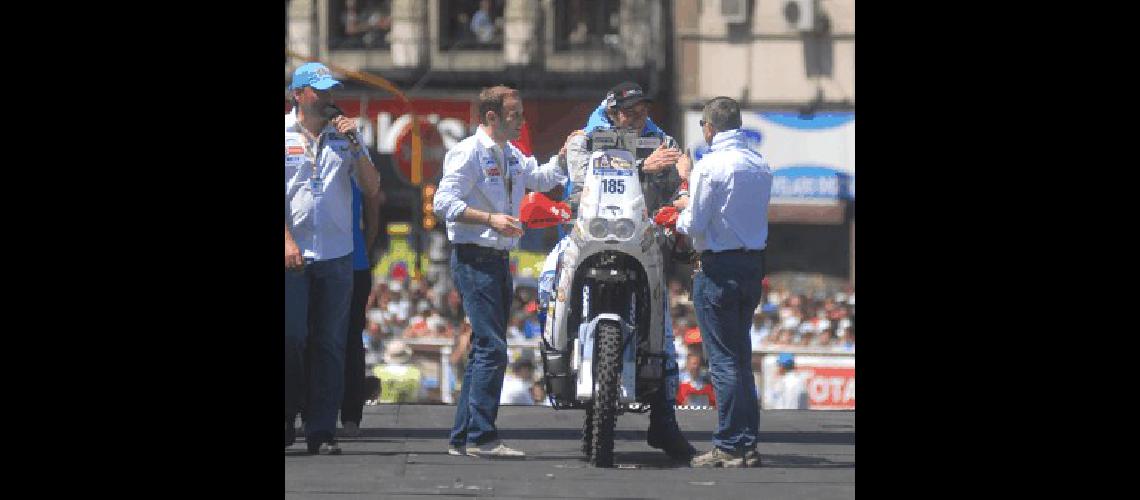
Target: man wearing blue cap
x,y
786,391
321,158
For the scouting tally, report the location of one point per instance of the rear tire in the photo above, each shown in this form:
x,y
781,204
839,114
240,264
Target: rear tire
x,y
607,376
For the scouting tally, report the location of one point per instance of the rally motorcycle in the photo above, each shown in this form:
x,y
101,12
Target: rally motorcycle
x,y
602,343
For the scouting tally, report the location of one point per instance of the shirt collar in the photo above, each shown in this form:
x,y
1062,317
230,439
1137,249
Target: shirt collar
x,y
729,139
488,143
293,125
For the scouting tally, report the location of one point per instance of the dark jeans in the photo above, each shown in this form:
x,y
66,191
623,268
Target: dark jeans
x,y
483,278
725,293
352,407
319,294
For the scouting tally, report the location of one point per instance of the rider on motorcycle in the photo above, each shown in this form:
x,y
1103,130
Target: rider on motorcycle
x,y
626,106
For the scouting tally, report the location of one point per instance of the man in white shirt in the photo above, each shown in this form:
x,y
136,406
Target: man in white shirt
x,y
727,220
484,180
787,390
322,158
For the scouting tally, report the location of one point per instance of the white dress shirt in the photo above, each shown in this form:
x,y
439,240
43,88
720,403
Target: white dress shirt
x,y
729,192
472,178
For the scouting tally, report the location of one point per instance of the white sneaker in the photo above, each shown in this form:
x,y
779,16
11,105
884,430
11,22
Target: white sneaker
x,y
494,449
350,429
456,451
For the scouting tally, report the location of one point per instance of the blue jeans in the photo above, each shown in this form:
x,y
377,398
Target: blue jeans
x,y
725,293
316,323
484,281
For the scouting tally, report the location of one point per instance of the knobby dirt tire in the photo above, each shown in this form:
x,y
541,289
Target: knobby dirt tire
x,y
607,378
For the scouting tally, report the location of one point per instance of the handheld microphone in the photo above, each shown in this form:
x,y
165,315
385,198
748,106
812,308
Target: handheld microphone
x,y
333,111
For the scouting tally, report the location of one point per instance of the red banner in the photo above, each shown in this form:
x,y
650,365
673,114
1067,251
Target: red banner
x,y
830,388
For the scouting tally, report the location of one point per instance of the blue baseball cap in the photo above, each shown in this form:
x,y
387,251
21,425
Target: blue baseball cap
x,y
315,75
786,360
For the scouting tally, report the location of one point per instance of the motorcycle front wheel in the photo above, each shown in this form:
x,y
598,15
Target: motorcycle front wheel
x,y
607,376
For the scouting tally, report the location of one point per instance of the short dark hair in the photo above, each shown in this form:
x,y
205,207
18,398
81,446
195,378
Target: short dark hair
x,y
491,99
723,113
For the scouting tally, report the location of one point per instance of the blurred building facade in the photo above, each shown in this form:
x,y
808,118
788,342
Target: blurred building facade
x,y
563,56
791,65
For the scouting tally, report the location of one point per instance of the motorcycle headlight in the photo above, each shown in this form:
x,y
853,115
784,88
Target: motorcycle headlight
x,y
622,228
598,228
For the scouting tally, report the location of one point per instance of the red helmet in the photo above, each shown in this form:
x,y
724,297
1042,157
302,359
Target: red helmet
x,y
538,211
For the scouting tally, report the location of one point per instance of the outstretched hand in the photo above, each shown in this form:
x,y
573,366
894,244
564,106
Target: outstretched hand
x,y
660,159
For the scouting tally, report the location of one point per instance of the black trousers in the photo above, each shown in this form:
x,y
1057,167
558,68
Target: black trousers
x,y
352,406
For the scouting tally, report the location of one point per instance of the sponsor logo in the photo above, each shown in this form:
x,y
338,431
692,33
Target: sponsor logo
x,y
623,164
295,150
612,171
648,142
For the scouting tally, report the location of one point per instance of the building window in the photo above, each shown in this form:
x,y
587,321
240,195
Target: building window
x,y
818,49
471,24
579,24
360,24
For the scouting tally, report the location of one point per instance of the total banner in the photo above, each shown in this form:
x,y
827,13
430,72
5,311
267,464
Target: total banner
x,y
817,382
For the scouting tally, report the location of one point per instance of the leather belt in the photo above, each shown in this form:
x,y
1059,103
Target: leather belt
x,y
471,247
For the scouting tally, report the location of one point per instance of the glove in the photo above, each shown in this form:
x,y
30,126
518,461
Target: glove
x,y
667,217
538,211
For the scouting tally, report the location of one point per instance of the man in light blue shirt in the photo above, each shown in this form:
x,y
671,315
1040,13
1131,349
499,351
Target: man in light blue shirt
x,y
727,220
484,180
320,157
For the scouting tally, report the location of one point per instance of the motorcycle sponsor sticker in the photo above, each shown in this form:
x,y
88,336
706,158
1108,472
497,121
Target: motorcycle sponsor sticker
x,y
294,150
648,142
622,164
602,160
613,171
604,138
294,160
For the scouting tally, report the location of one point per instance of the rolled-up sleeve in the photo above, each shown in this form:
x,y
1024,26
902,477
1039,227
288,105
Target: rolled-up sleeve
x,y
546,177
459,176
577,158
694,219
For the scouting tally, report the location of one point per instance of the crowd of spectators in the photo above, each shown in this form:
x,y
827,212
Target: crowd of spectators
x,y
417,310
